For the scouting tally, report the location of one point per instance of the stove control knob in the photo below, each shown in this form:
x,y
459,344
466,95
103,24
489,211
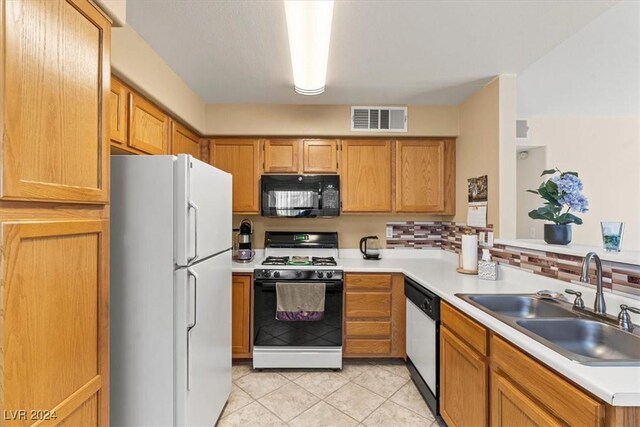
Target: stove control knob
x,y
276,274
267,273
329,274
298,273
320,274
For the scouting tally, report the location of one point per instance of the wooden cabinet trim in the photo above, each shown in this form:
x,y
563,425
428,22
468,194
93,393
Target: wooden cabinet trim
x,y
466,328
119,130
558,395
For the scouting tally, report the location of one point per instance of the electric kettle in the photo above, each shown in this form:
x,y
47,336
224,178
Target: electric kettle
x,y
370,247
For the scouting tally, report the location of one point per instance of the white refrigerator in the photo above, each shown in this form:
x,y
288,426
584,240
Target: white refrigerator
x,y
170,297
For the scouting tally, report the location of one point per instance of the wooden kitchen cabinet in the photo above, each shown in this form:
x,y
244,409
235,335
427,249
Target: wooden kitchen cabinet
x,y
56,298
510,407
183,141
366,172
148,126
241,316
241,158
534,382
424,176
54,226
374,315
119,113
56,73
281,155
320,156
464,370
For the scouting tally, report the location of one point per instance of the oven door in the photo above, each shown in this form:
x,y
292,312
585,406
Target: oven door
x,y
269,332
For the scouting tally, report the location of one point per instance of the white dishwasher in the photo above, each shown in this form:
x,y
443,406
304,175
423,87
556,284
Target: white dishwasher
x,y
423,330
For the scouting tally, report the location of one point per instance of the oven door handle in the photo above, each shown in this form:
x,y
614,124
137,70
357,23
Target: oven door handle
x,y
336,286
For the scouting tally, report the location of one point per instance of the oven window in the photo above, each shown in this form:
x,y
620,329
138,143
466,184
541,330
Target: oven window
x,y
272,332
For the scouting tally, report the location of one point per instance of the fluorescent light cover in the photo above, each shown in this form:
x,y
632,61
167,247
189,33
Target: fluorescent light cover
x,y
309,26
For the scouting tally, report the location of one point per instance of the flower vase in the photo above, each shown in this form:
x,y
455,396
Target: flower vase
x,y
557,234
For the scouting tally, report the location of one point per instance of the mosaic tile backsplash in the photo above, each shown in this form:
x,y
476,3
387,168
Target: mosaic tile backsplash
x,y
448,236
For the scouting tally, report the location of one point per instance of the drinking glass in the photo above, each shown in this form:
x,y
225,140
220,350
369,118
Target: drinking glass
x,y
612,235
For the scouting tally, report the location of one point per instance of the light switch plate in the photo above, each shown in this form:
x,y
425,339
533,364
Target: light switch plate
x,y
490,238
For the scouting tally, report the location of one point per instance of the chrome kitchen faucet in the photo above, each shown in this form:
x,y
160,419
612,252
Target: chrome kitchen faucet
x,y
599,306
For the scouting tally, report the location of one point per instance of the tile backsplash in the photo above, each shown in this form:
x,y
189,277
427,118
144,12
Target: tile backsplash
x,y
447,236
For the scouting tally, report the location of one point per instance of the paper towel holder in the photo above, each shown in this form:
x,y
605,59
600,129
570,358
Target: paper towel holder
x,y
460,269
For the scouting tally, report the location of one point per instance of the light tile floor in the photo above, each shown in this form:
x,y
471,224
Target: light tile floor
x,y
364,393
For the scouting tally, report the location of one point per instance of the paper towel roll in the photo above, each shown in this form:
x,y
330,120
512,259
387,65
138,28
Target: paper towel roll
x,y
470,252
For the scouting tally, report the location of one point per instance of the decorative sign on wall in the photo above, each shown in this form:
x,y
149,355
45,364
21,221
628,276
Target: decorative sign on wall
x,y
478,196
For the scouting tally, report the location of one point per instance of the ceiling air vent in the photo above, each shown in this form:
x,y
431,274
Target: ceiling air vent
x,y
379,119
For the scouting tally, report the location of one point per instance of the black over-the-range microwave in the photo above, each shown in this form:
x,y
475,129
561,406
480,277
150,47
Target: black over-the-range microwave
x,y
298,196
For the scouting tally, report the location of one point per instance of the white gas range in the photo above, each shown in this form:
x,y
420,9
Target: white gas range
x,y
302,263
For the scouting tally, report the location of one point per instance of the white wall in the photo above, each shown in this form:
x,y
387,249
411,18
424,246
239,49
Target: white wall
x,y
528,178
582,101
606,154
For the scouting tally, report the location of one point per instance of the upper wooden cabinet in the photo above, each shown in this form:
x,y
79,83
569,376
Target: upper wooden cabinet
x,y
241,158
148,126
308,156
281,155
366,176
119,117
424,169
183,141
320,156
56,75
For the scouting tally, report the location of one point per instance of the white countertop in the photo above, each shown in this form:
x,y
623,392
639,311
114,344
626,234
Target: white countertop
x,y
435,270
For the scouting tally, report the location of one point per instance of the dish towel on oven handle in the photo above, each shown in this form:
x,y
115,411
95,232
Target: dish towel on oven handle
x,y
300,301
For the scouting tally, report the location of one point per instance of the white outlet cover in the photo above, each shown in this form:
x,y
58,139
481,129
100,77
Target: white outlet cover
x,y
389,231
490,238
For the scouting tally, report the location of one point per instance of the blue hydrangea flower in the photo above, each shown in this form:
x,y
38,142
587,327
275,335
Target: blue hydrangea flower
x,y
576,201
568,183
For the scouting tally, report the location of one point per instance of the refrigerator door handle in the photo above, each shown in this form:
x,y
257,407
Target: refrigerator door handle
x,y
192,324
192,206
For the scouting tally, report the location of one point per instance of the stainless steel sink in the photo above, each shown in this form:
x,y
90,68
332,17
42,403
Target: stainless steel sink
x,y
576,334
587,341
521,306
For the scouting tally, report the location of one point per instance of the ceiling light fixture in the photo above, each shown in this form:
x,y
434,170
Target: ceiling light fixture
x,y
309,27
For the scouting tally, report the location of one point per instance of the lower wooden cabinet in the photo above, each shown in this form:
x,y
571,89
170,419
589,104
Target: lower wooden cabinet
x,y
485,379
510,407
241,316
55,330
463,382
374,315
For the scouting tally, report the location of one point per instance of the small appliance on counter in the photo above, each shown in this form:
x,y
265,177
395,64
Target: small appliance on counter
x,y
370,247
244,247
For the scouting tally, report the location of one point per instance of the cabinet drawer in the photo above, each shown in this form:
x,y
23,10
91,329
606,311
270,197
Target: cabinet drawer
x,y
466,328
368,305
374,282
562,398
367,329
374,347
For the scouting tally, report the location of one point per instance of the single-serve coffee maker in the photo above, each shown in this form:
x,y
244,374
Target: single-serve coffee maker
x,y
244,241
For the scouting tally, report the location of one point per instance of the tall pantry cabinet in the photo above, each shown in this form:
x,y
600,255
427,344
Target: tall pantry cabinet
x,y
54,214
